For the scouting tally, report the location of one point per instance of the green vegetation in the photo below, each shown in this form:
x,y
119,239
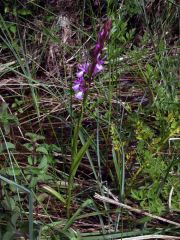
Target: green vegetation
x,y
121,142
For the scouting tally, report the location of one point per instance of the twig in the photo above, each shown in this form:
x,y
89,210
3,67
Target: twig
x,y
109,200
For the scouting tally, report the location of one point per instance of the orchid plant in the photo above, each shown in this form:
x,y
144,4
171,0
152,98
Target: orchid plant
x,y
85,75
80,85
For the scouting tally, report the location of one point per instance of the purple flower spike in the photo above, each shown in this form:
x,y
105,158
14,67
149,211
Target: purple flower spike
x,y
96,66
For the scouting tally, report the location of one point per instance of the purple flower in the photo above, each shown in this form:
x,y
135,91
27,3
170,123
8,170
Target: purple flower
x,y
96,66
100,34
79,95
76,86
79,88
83,69
96,49
79,83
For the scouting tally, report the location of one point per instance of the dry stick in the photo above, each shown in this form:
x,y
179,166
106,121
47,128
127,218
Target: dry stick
x,y
109,200
145,237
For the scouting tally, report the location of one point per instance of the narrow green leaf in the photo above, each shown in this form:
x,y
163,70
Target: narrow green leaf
x,y
77,213
54,193
77,159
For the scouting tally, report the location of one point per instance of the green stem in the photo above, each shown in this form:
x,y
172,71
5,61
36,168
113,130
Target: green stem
x,y
74,153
